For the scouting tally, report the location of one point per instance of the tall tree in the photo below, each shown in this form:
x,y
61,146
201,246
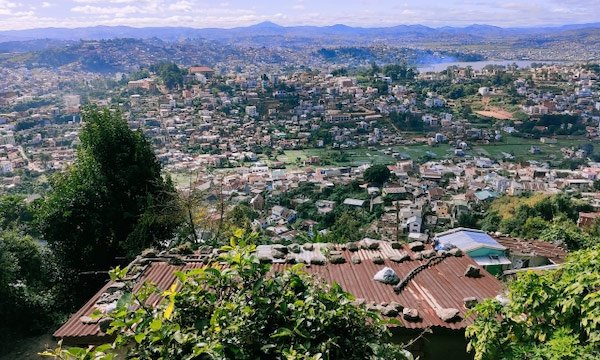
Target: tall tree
x,y
109,204
377,174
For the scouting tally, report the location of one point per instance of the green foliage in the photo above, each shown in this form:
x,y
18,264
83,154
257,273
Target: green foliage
x,y
550,315
550,218
399,72
377,174
240,311
170,74
347,228
110,203
566,233
27,294
407,121
14,212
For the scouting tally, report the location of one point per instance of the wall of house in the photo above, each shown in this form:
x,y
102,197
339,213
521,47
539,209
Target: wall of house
x,y
485,252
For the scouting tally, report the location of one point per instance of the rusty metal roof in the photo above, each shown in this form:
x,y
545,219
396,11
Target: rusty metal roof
x,y
552,252
440,286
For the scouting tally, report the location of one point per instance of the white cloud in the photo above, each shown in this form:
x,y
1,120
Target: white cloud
x,y
184,5
117,11
46,4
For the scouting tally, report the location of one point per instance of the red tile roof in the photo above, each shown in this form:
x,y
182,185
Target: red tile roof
x,y
442,285
201,69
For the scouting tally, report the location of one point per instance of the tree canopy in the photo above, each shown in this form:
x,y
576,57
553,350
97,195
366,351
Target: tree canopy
x,y
549,315
108,204
377,174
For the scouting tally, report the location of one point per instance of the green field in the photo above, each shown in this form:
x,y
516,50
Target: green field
x,y
518,147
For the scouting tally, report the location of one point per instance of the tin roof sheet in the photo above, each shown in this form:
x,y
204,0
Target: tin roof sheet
x,y
442,285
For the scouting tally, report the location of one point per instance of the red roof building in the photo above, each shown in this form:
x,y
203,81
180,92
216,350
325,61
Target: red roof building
x,y
433,282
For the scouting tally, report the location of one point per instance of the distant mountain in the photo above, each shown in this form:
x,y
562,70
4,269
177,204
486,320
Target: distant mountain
x,y
268,28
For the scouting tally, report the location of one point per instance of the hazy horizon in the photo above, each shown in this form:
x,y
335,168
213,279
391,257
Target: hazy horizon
x,y
29,14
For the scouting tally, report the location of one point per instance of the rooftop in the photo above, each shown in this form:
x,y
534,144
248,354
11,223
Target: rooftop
x,y
468,239
431,281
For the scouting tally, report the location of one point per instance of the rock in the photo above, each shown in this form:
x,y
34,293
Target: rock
x,y
427,254
290,259
317,260
403,256
389,311
417,256
104,324
455,252
353,247
387,276
410,314
470,302
447,315
337,259
473,271
443,253
107,298
114,287
88,320
359,302
356,259
370,244
265,259
335,252
374,245
416,246
276,254
396,305
176,261
396,245
372,306
280,248
294,248
308,247
149,253
377,260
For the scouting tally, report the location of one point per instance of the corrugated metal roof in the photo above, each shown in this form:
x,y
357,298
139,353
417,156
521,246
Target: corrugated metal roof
x,y
442,285
467,239
554,253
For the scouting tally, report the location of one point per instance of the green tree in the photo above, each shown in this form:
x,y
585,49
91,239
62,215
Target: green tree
x,y
243,311
377,174
170,74
566,233
109,204
554,315
27,292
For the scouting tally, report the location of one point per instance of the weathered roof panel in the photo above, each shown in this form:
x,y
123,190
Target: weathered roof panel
x,y
442,285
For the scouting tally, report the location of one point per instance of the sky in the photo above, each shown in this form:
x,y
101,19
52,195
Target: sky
x,y
26,14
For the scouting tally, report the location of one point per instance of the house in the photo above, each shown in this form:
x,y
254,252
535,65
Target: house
x,y
257,202
484,249
531,253
202,70
485,195
429,294
436,193
325,206
280,212
356,203
587,219
413,224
